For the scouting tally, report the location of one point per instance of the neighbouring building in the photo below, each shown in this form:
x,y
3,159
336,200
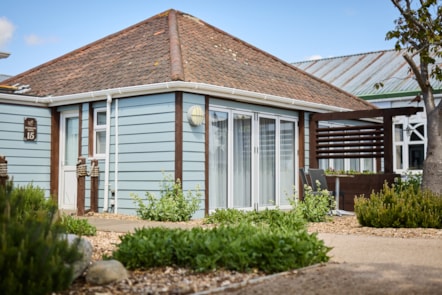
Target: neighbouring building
x,y
4,55
358,74
169,95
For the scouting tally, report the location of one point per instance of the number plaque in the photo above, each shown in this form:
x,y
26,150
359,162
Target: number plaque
x,y
30,130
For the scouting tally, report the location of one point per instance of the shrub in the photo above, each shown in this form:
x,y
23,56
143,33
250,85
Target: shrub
x,y
409,180
77,226
273,218
316,205
173,205
405,207
33,258
243,247
32,200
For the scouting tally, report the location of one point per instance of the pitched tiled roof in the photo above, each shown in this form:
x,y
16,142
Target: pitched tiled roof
x,y
174,46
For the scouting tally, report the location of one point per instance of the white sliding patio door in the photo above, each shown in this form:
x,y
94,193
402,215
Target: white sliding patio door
x,y
252,159
242,161
218,159
267,161
287,156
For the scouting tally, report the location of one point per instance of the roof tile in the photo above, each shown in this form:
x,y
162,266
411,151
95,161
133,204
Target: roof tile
x,y
176,46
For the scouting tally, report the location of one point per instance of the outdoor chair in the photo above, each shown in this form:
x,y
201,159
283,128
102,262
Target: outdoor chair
x,y
317,176
304,181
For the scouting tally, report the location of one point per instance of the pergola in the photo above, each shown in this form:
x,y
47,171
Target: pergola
x,y
370,140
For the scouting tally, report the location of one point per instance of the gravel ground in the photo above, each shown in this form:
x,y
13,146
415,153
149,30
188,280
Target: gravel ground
x,y
320,279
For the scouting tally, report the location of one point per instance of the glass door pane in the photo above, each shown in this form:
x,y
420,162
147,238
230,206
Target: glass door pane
x,y
242,161
287,161
267,161
218,156
71,141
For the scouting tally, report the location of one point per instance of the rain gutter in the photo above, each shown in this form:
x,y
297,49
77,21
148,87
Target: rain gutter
x,y
199,88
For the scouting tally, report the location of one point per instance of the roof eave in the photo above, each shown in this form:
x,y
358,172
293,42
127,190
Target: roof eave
x,y
193,87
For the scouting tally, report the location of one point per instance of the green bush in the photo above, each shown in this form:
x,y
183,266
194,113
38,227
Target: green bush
x,y
77,226
173,205
408,180
33,258
405,207
316,206
274,218
243,247
32,200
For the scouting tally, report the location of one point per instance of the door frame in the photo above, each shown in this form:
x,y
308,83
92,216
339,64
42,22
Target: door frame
x,y
61,150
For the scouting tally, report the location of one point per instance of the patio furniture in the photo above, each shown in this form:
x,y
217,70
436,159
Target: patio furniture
x,y
317,176
304,181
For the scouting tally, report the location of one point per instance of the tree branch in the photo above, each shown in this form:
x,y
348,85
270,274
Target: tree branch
x,y
416,71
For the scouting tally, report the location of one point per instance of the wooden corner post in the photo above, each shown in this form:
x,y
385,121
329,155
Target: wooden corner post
x,y
81,187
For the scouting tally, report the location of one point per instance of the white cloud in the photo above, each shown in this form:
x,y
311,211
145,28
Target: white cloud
x,y
314,57
37,40
6,31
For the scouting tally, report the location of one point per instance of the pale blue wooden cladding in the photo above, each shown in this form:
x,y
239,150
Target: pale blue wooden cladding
x,y
141,151
194,151
146,146
28,161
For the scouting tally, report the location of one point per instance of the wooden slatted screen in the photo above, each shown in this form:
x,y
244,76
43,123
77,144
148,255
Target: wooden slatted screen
x,y
366,141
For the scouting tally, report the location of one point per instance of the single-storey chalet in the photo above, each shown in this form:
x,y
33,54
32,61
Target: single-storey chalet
x,y
169,95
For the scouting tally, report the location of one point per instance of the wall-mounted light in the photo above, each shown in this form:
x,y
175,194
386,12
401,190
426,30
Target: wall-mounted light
x,y
195,115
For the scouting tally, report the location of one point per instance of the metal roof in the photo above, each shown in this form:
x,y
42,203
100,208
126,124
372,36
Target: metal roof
x,y
359,73
4,77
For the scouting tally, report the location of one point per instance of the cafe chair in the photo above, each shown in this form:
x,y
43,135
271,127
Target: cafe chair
x,y
317,176
304,181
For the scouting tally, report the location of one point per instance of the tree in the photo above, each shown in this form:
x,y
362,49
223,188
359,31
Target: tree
x,y
419,35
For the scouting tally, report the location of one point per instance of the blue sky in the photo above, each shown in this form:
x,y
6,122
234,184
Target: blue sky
x,y
34,32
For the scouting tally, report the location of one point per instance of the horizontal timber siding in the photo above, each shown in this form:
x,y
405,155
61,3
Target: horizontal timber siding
x,y
28,161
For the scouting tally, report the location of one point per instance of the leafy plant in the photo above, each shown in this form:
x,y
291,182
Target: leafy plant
x,y
77,226
316,205
331,171
409,180
273,218
403,207
173,205
32,200
243,247
33,257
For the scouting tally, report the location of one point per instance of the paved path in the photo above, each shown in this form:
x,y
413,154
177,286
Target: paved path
x,y
364,265
370,249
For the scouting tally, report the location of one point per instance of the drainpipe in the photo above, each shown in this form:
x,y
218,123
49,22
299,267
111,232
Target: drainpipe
x,y
107,160
116,157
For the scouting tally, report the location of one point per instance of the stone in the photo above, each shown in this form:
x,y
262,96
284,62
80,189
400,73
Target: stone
x,y
86,249
105,272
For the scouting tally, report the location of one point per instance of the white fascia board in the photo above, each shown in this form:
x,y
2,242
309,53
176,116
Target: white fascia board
x,y
200,88
23,100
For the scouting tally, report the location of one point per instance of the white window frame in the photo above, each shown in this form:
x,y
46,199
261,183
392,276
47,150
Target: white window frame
x,y
255,153
407,142
99,128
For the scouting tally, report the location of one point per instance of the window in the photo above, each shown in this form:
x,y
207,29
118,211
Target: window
x,y
251,159
99,132
409,144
